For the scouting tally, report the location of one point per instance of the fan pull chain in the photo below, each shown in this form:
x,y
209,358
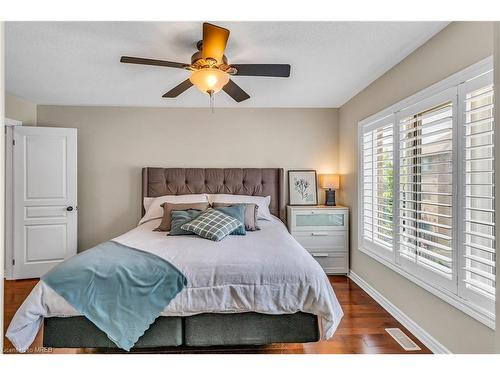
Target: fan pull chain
x,y
211,94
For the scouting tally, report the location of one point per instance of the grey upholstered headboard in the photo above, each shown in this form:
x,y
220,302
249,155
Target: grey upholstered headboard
x,y
241,181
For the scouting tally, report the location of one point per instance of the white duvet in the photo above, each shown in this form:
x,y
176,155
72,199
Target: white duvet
x,y
266,271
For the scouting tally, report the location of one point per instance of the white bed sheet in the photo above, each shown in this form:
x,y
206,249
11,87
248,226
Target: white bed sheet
x,y
266,271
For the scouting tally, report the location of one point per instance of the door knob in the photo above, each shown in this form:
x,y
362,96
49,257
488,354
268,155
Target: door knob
x,y
69,208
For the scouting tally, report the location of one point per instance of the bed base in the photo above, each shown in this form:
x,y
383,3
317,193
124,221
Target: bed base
x,y
194,331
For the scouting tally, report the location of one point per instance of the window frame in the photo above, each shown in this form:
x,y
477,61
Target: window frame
x,y
452,84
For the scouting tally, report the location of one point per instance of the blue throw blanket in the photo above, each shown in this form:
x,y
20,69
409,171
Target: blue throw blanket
x,y
120,289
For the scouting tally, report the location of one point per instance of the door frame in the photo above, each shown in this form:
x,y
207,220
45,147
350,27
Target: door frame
x,y
9,204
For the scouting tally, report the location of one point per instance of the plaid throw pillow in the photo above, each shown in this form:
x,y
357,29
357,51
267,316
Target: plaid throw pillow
x,y
212,225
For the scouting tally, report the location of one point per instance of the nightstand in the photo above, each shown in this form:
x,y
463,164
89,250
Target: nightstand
x,y
324,232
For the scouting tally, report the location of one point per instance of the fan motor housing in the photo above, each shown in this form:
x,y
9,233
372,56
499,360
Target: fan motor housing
x,y
197,56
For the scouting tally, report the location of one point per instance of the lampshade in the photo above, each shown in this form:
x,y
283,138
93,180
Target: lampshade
x,y
209,79
329,181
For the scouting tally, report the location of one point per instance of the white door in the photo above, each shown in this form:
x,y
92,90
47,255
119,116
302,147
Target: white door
x,y
44,197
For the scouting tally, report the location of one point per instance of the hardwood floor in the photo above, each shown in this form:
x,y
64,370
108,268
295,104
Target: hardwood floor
x,y
362,329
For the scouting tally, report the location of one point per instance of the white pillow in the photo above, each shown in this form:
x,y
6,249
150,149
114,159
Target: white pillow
x,y
262,202
148,200
154,210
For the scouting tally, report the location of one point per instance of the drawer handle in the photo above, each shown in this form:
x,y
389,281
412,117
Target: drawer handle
x,y
319,234
320,255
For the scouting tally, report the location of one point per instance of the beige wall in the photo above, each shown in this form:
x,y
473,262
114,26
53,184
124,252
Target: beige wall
x,y
114,143
20,109
456,47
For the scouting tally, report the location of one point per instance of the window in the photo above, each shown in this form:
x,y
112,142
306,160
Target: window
x,y
378,185
425,223
427,189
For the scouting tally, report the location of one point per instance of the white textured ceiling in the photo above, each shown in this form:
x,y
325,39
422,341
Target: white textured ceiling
x,y
77,63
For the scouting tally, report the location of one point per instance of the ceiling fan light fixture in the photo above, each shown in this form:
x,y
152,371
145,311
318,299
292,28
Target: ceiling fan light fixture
x,y
209,79
210,69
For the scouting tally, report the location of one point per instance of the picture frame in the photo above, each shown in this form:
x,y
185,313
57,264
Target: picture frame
x,y
302,187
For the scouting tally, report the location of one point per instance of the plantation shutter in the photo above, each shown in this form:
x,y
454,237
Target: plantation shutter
x,y
477,276
426,173
427,190
377,186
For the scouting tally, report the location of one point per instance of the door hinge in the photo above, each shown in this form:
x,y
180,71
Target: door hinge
x,y
13,142
13,262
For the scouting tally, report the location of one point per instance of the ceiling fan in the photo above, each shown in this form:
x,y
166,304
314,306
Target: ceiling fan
x,y
210,68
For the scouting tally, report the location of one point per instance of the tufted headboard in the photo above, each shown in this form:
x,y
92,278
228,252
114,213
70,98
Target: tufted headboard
x,y
243,181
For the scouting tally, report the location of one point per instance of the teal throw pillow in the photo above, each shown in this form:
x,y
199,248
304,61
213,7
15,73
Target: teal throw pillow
x,y
238,212
180,218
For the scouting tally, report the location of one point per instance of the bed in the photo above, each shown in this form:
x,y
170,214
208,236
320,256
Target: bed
x,y
256,289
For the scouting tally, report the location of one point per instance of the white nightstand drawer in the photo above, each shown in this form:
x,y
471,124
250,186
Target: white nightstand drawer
x,y
322,239
318,219
332,262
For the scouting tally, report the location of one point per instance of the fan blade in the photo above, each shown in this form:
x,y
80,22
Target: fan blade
x,y
140,60
214,41
235,91
179,89
264,70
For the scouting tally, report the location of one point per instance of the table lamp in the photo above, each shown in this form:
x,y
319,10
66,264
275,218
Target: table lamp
x,y
330,182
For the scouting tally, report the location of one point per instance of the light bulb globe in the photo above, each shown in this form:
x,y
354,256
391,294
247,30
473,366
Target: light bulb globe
x,y
209,79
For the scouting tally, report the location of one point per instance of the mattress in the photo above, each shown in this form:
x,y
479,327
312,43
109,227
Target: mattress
x,y
266,271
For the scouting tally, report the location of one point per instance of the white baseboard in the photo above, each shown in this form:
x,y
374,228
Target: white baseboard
x,y
429,341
